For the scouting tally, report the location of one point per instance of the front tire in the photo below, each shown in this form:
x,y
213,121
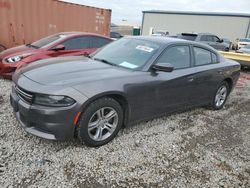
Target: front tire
x,y
220,96
100,122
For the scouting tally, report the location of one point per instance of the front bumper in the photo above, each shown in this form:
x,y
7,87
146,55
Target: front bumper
x,y
55,123
7,70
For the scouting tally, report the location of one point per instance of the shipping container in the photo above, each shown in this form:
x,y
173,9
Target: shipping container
x,y
25,21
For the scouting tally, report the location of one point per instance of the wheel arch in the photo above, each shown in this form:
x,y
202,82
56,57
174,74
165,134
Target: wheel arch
x,y
229,81
120,97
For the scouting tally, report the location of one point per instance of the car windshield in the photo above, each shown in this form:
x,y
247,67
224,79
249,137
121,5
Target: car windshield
x,y
47,41
130,53
244,40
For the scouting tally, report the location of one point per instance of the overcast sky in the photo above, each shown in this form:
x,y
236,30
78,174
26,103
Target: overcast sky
x,y
131,10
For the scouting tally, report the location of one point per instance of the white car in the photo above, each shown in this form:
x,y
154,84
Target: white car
x,y
245,49
243,42
160,33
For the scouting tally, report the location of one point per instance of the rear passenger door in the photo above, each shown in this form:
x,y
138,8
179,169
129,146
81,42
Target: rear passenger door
x,y
206,74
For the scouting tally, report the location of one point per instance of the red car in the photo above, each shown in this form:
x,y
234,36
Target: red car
x,y
60,44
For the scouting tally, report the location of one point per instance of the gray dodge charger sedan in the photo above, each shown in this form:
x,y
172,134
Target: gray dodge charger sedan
x,y
130,80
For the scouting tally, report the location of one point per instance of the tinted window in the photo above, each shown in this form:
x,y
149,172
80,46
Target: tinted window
x,y
215,39
177,56
77,43
204,57
187,36
204,38
98,42
210,38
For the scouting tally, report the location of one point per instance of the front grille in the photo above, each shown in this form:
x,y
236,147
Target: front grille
x,y
24,95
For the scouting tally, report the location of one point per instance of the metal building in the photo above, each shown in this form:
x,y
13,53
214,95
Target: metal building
x,y
225,25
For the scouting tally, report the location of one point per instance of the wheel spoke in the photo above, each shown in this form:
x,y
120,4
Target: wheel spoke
x,y
98,134
100,113
109,127
93,125
223,90
110,115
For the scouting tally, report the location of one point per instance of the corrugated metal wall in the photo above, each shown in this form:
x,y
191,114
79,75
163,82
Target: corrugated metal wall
x,y
25,21
224,26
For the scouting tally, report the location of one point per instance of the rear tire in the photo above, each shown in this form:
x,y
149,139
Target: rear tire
x,y
220,96
100,122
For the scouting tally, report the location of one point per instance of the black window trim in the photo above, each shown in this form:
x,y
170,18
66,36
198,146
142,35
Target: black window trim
x,y
174,45
211,52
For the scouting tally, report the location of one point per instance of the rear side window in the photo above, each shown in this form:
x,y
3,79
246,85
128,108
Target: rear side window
x,y
98,42
177,56
77,43
204,57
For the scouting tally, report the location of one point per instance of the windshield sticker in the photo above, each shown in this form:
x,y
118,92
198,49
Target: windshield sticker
x,y
128,65
144,48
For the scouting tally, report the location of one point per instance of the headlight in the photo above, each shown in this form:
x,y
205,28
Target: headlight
x,y
14,59
17,58
53,100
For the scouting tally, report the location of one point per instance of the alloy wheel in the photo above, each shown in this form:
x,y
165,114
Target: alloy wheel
x,y
221,96
103,123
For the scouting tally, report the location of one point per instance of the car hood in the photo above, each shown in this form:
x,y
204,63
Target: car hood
x,y
71,71
16,51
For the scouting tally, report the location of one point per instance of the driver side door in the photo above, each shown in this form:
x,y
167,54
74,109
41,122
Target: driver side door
x,y
74,46
174,88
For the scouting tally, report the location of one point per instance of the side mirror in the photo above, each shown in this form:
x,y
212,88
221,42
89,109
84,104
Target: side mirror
x,y
165,67
59,47
220,40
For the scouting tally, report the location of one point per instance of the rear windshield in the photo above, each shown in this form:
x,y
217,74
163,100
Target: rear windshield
x,y
187,36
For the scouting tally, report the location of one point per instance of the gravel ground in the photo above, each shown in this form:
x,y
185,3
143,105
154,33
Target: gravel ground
x,y
198,148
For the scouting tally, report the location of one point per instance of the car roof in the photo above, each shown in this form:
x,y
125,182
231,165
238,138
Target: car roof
x,y
170,40
194,33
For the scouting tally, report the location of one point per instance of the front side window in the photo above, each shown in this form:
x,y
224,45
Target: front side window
x,y
210,38
215,39
77,43
204,57
177,56
204,38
